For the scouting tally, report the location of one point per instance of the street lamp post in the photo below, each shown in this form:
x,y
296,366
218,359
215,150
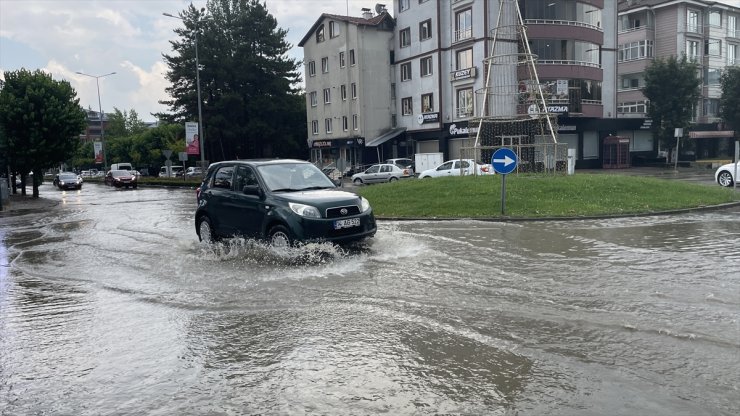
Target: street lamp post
x,y
201,138
100,107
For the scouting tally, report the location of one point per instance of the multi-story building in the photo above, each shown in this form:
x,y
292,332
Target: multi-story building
x,y
95,127
348,72
706,32
441,53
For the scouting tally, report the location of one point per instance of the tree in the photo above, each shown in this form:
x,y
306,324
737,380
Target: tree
x,y
41,120
674,89
122,124
251,106
730,100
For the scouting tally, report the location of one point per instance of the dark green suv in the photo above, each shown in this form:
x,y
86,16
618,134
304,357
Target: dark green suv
x,y
282,201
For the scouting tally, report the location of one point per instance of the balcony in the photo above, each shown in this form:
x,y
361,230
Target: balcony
x,y
463,34
464,112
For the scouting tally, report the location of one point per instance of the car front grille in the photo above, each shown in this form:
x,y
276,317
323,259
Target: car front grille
x,y
337,212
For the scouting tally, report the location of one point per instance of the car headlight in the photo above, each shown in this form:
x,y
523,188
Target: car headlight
x,y
364,204
61,183
304,210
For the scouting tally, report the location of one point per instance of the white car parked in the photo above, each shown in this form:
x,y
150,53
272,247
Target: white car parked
x,y
725,174
458,167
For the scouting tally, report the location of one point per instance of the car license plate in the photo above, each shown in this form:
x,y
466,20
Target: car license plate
x,y
348,223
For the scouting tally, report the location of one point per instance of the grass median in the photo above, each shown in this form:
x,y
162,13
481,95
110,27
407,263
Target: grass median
x,y
537,196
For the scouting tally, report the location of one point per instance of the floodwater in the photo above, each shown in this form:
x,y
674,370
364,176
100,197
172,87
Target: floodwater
x,y
109,305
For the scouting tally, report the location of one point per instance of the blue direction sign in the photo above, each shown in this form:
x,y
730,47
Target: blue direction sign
x,y
504,161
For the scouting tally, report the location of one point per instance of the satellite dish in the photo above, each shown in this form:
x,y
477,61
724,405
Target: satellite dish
x,y
379,8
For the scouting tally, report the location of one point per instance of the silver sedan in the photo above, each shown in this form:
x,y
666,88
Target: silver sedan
x,y
383,172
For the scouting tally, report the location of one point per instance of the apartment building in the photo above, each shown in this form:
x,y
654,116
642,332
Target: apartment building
x,y
348,73
95,127
707,32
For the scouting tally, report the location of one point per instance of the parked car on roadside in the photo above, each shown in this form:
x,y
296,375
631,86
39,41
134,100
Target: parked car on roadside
x,y
725,174
194,171
282,201
404,163
67,180
121,179
458,167
383,172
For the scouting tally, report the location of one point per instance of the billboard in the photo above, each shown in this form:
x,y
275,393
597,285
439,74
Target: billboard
x,y
192,141
98,152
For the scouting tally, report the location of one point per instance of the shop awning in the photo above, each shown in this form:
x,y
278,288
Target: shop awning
x,y
385,137
711,134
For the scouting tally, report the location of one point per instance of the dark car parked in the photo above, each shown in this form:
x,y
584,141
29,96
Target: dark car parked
x,y
121,179
67,180
282,201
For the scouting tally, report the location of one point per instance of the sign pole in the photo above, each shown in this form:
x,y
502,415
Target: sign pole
x,y
503,195
504,161
678,132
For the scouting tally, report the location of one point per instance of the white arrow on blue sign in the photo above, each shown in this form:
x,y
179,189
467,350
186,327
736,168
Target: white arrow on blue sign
x,y
504,161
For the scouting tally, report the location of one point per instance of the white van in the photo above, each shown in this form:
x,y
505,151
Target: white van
x,y
121,166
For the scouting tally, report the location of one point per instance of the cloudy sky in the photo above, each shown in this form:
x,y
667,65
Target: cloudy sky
x,y
127,37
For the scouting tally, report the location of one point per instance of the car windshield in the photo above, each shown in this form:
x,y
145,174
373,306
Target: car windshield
x,y
117,173
294,177
67,177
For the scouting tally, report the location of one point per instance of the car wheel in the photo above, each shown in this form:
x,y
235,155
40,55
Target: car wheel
x,y
279,237
357,181
392,179
725,178
205,230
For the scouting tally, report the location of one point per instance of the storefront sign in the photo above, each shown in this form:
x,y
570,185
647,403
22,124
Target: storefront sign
x,y
462,130
322,143
647,124
566,128
463,74
428,118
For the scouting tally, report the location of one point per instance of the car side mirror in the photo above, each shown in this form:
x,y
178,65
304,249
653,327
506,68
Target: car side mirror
x,y
253,190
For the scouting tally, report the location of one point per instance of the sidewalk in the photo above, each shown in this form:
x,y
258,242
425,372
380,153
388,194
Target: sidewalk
x,y
19,202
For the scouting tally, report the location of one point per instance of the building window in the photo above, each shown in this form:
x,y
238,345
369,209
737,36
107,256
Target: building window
x,y
333,29
343,89
345,126
327,95
352,57
692,21
464,59
393,91
354,91
425,66
427,103
325,65
404,5
630,82
712,76
355,122
635,50
692,49
320,34
314,127
464,103
314,100
632,107
394,121
311,68
406,71
342,64
732,55
713,47
327,125
711,107
715,18
407,106
463,25
733,30
404,36
425,30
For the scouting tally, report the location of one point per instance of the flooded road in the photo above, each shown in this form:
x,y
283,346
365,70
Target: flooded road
x,y
109,305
